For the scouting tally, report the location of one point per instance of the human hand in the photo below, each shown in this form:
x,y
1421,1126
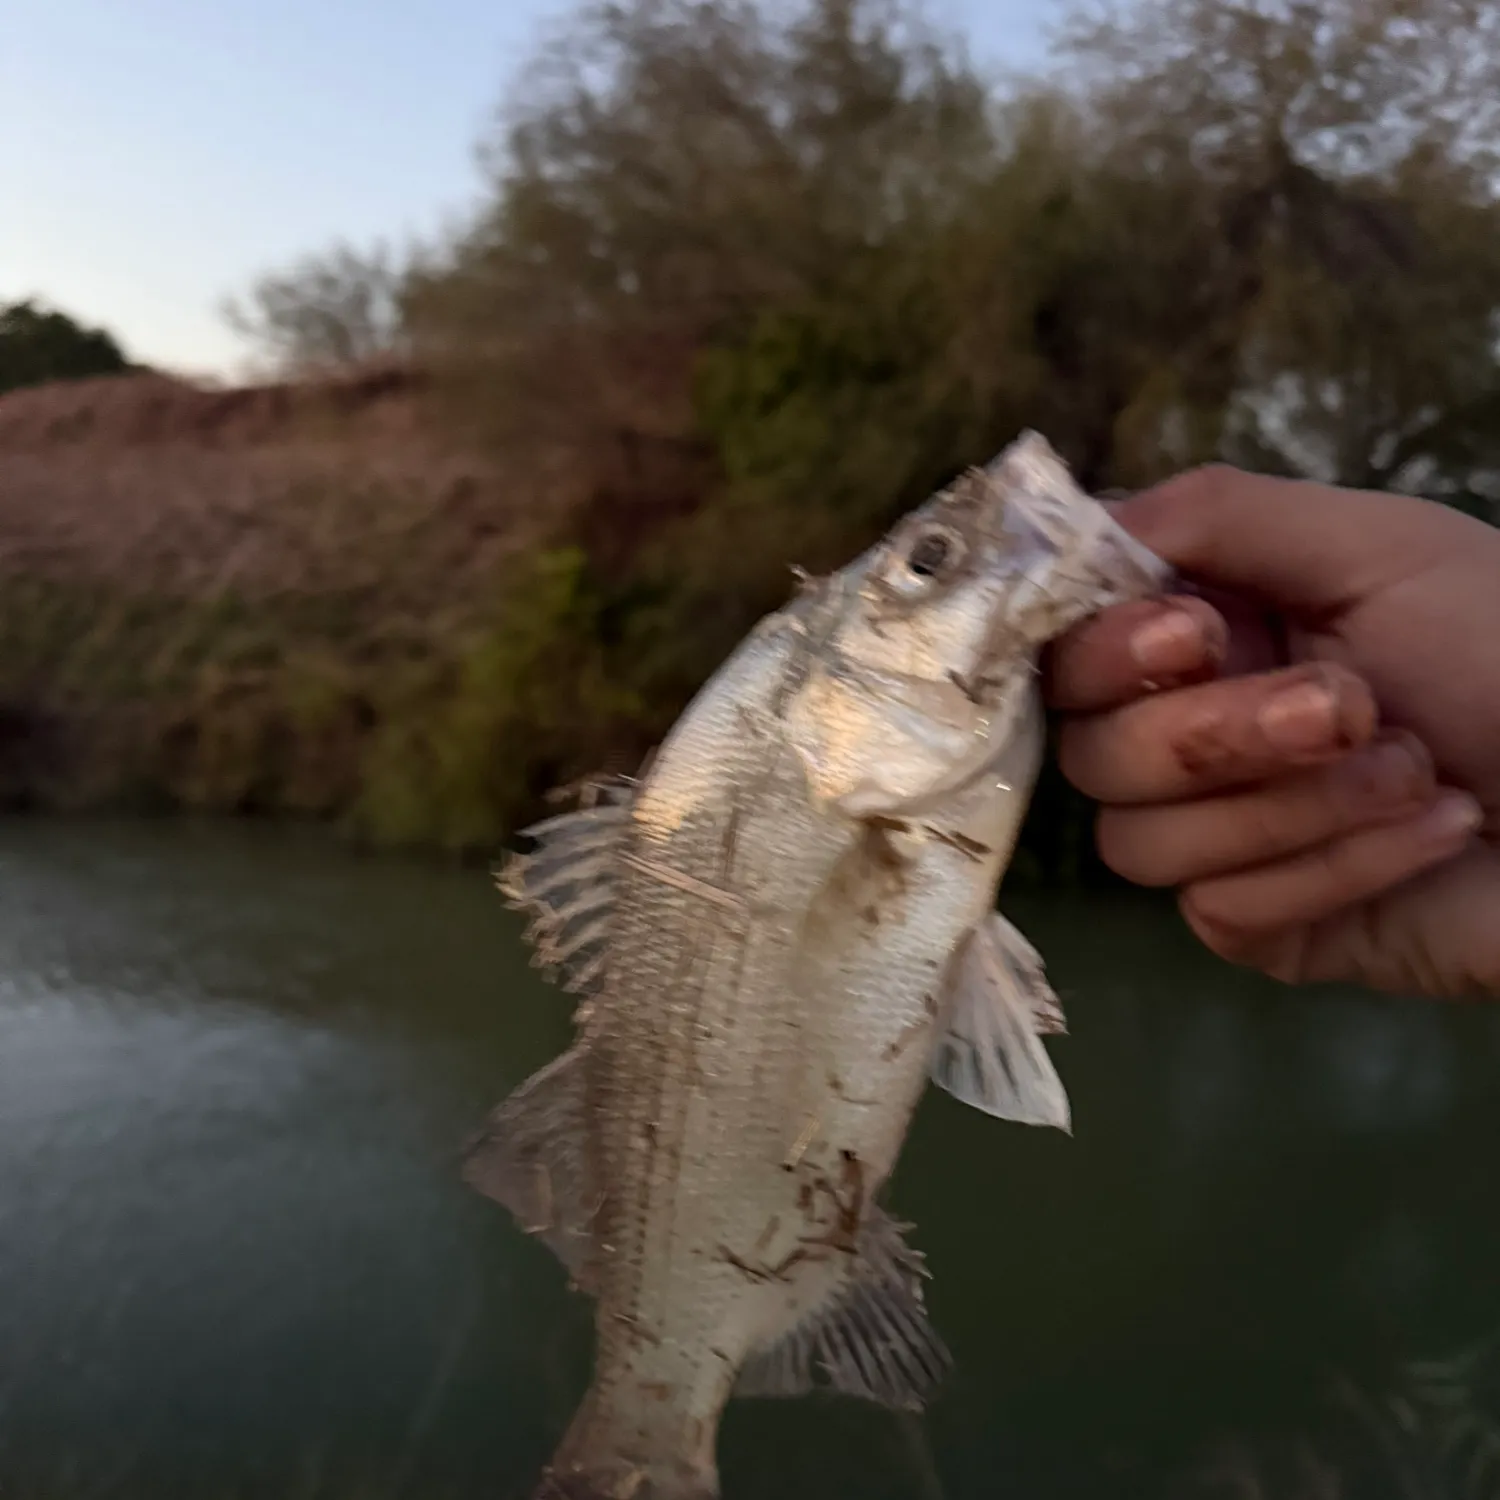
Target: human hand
x,y
1308,747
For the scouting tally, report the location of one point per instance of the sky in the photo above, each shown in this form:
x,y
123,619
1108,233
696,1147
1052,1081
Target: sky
x,y
156,155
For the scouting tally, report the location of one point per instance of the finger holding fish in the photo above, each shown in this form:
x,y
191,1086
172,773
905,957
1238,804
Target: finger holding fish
x,y
1148,645
1117,655
1219,734
1173,843
1263,914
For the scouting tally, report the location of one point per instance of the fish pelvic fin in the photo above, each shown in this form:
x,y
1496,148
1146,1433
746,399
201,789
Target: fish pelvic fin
x,y
533,1157
997,1007
872,1339
566,884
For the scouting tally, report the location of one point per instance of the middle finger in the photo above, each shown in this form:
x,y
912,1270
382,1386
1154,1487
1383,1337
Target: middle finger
x,y
1173,843
1219,734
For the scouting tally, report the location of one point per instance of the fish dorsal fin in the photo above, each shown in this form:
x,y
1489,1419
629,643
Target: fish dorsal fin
x,y
997,1008
871,1339
566,884
533,1157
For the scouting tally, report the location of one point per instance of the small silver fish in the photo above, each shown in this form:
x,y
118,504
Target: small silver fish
x,y
782,931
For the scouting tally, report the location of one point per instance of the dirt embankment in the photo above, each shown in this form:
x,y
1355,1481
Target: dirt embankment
x,y
230,599
145,482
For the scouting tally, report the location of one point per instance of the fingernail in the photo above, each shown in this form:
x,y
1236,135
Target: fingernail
x,y
1391,773
1300,718
1454,816
1171,643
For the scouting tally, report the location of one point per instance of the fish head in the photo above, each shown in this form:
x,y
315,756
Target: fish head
x,y
926,658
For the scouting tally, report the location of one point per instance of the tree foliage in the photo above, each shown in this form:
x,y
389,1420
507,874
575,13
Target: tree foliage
x,y
324,311
1258,229
746,280
38,344
750,280
1336,165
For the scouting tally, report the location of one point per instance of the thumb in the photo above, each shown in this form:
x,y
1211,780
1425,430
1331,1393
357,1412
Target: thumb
x,y
1290,544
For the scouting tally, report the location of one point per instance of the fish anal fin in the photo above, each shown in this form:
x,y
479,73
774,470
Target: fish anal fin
x,y
565,885
872,1339
997,1008
532,1156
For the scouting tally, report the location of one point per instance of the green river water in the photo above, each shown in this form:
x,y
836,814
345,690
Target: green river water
x,y
237,1065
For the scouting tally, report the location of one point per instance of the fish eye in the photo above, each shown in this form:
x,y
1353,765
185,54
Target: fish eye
x,y
932,553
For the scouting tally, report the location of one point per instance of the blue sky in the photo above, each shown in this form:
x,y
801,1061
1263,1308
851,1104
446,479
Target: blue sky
x,y
156,154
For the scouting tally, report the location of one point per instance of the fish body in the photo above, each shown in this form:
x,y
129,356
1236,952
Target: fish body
x,y
783,932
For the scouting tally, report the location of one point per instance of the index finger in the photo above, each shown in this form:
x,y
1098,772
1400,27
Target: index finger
x,y
1129,649
1231,732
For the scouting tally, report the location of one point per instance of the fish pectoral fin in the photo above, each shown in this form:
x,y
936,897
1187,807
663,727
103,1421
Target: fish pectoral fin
x,y
871,1339
997,1008
566,884
1028,974
533,1157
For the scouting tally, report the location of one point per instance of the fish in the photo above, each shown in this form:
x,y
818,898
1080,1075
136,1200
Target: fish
x,y
779,933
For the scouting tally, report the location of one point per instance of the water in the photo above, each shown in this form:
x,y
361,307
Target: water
x,y
236,1067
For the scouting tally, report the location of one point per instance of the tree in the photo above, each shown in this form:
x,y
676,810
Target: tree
x,y
750,279
38,345
1331,170
325,310
671,169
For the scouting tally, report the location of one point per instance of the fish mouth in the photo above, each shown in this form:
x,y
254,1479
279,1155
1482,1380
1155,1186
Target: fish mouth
x,y
1069,577
1126,567
1078,557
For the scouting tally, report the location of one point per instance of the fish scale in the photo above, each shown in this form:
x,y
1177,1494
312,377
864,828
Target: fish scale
x,y
782,933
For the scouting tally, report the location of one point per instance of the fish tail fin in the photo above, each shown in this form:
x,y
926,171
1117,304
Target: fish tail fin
x,y
631,1448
